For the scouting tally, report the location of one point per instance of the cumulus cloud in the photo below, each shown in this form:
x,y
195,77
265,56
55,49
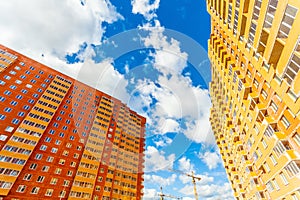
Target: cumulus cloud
x,y
162,141
104,77
173,103
156,160
146,8
169,59
159,180
53,28
185,165
204,179
209,191
149,194
211,159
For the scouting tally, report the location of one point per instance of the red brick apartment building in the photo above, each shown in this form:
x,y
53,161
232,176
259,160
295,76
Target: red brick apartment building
x,y
62,139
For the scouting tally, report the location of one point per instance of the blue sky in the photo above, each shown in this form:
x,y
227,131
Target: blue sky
x,y
151,54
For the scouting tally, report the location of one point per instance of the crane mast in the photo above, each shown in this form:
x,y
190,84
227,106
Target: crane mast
x,y
194,179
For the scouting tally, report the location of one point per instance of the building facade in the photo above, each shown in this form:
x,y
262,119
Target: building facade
x,y
254,50
62,139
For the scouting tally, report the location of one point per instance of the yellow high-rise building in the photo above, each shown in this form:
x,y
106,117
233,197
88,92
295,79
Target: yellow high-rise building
x,y
254,50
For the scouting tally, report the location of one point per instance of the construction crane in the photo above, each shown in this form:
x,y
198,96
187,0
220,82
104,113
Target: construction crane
x,y
162,195
194,179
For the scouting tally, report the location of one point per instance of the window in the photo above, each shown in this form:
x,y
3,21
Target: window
x,y
38,156
13,87
263,141
9,129
27,177
98,188
229,13
61,135
19,96
285,122
57,142
293,168
15,121
33,166
66,183
31,101
296,137
18,82
266,166
49,192
293,66
252,33
7,109
294,196
274,106
26,107
270,186
284,179
57,171
73,164
7,77
22,76
12,72
21,188
61,161
62,193
49,159
273,159
7,92
45,168
2,82
35,95
47,139
276,184
40,179
13,103
43,147
35,190
69,173
54,150
2,99
24,91
33,81
270,13
287,21
2,117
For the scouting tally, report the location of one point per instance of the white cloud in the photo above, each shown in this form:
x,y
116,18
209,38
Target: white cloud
x,y
204,179
145,7
104,77
53,28
176,99
150,194
160,181
185,165
156,160
209,191
211,159
162,141
169,59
